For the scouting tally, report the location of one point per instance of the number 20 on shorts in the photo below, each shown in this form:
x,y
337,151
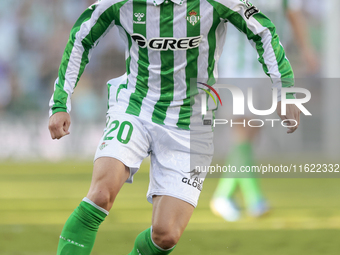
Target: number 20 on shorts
x,y
124,131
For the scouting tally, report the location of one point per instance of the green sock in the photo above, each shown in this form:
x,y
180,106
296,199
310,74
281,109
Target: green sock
x,y
226,187
145,246
228,182
80,230
240,155
250,188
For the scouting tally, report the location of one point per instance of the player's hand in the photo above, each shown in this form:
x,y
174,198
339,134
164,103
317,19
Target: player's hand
x,y
292,113
59,124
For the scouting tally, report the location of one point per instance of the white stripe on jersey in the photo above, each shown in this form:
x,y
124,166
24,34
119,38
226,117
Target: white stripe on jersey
x,y
206,11
127,11
180,61
154,81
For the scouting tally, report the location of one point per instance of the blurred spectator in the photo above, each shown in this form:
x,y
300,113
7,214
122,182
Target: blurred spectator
x,y
34,34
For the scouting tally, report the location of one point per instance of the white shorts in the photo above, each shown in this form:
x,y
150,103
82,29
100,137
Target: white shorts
x,y
174,153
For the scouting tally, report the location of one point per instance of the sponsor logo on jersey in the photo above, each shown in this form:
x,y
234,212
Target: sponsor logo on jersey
x,y
139,17
167,43
193,18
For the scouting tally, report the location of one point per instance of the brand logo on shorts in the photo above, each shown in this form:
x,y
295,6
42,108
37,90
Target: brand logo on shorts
x,y
195,183
194,172
102,146
195,180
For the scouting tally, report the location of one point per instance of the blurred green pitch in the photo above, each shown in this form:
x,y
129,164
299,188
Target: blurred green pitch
x,y
37,198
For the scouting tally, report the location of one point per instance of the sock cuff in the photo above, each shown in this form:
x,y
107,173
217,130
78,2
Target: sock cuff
x,y
85,199
157,245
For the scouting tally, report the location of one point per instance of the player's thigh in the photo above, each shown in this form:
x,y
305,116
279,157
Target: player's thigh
x,y
174,158
170,216
109,175
122,148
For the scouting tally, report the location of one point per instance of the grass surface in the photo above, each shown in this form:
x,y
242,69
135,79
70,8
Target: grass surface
x,y
37,198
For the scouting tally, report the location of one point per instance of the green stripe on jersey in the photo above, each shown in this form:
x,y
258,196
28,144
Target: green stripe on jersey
x,y
128,60
136,98
212,45
108,95
237,20
283,64
121,86
191,67
97,31
89,42
167,68
60,95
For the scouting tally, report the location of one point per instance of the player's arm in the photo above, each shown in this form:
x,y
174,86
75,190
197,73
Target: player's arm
x,y
91,26
261,33
300,30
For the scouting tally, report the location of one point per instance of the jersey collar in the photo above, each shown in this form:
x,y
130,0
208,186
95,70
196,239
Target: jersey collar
x,y
159,2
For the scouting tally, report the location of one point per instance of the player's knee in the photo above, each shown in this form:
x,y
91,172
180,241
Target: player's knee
x,y
164,237
102,197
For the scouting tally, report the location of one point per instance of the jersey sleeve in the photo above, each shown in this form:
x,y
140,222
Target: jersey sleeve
x,y
262,35
91,26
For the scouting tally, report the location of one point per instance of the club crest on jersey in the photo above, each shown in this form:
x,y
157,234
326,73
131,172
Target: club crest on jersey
x,y
102,146
193,18
139,16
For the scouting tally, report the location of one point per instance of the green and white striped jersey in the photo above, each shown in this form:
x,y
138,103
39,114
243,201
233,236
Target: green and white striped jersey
x,y
168,43
238,59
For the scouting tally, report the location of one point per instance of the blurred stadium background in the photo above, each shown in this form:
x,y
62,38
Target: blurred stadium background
x,y
41,181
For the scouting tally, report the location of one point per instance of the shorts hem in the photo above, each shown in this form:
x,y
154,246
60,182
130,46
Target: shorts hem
x,y
133,169
165,193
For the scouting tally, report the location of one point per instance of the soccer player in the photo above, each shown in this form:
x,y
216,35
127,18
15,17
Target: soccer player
x,y
152,111
238,61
